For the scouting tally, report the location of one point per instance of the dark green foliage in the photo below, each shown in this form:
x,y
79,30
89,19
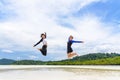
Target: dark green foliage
x,y
28,62
89,59
95,56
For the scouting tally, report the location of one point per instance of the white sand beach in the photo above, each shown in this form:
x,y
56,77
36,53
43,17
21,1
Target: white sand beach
x,y
33,72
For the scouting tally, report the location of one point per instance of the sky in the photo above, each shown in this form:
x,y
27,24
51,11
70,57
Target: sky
x,y
96,22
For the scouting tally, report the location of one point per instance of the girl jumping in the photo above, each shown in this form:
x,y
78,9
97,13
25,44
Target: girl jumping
x,y
44,47
70,52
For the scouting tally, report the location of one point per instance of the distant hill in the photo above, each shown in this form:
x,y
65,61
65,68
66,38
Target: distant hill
x,y
94,56
6,61
88,59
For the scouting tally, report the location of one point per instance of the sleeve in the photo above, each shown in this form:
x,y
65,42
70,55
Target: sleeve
x,y
77,41
38,42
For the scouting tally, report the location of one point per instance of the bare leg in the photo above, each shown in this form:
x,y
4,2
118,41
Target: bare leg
x,y
69,55
39,49
74,54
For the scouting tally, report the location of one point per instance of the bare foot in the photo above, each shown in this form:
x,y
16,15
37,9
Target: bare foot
x,y
74,55
39,49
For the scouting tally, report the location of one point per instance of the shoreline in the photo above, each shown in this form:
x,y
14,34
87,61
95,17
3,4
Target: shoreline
x,y
93,67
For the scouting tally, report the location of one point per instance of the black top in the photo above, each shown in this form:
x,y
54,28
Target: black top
x,y
69,48
38,42
69,44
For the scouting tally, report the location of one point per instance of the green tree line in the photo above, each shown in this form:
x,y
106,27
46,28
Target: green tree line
x,y
88,59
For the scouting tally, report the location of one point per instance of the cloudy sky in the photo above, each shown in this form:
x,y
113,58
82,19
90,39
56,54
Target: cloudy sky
x,y
96,22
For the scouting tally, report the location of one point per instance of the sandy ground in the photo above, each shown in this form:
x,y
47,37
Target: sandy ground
x,y
33,72
2,67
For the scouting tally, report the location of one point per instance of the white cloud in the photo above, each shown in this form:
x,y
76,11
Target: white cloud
x,y
18,58
6,51
32,57
36,16
33,18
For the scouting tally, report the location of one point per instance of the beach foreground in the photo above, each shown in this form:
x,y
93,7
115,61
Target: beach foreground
x,y
59,72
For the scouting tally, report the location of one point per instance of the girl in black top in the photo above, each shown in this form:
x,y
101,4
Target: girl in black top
x,y
70,52
44,47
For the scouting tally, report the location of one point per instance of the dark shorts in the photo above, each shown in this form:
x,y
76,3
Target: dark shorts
x,y
69,50
44,50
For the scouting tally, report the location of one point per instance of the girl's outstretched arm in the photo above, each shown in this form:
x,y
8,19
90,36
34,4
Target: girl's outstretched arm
x,y
38,42
77,41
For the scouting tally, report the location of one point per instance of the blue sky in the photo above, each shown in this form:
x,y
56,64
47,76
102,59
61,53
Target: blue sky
x,y
97,22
